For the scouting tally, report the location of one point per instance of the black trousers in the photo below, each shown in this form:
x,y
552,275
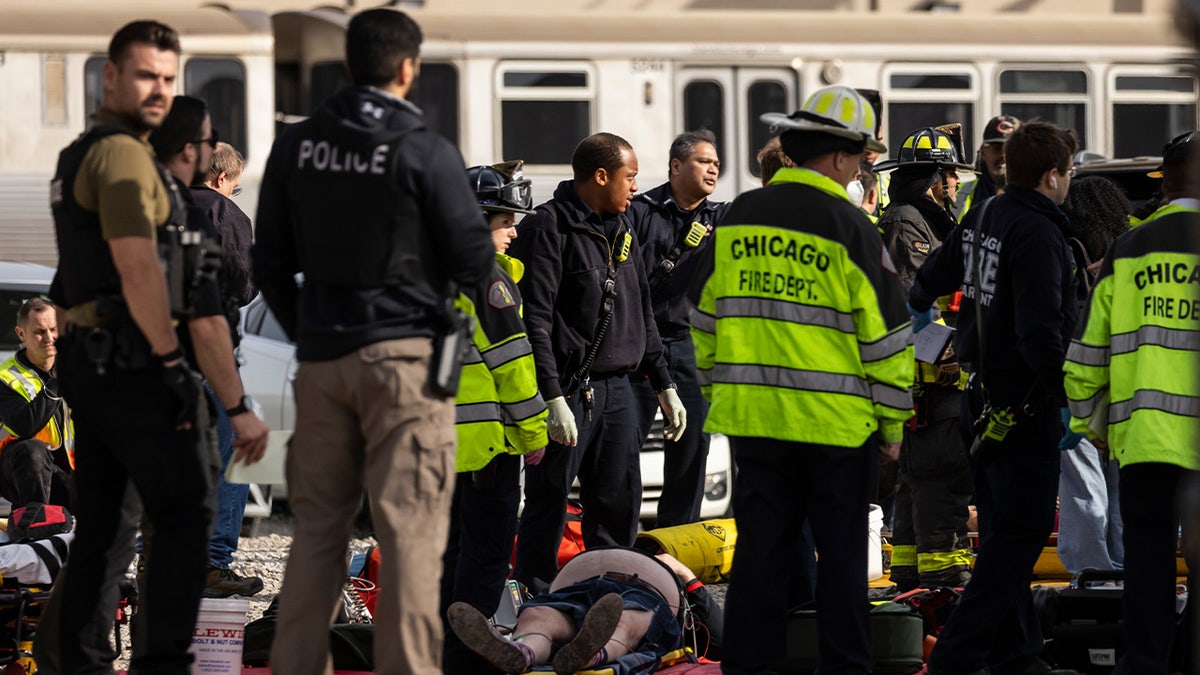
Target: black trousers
x,y
483,521
28,473
684,460
125,434
780,486
935,491
606,461
995,623
1149,508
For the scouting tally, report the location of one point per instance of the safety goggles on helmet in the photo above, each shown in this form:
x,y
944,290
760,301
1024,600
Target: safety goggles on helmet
x,y
497,192
838,111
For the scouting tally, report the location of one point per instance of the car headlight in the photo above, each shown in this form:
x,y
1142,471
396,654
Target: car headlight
x,y
716,486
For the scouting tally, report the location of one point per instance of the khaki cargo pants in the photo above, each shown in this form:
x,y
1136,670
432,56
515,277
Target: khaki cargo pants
x,y
368,420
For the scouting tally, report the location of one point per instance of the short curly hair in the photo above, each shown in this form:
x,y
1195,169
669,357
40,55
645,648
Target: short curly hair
x,y
1098,212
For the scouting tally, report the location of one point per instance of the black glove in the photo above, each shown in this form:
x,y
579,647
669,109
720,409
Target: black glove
x,y
178,379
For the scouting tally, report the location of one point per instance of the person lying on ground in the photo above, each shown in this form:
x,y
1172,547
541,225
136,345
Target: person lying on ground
x,y
604,604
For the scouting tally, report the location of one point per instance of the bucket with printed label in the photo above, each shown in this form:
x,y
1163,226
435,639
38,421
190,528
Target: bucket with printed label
x,y
218,635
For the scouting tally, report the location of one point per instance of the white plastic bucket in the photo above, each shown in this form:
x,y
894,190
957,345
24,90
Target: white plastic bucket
x,y
874,543
218,636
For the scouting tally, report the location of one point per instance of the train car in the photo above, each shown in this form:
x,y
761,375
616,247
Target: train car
x,y
528,80
51,59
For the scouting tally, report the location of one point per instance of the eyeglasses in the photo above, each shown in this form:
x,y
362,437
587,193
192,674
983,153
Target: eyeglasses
x,y
1071,172
211,140
237,191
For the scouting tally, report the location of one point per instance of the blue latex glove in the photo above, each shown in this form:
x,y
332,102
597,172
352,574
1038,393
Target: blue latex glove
x,y
919,319
1070,439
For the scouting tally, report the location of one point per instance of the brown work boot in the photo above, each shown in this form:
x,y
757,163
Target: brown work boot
x,y
478,634
222,583
594,632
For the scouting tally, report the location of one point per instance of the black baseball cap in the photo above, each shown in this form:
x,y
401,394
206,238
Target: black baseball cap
x,y
999,127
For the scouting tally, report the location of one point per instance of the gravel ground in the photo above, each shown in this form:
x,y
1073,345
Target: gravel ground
x,y
262,555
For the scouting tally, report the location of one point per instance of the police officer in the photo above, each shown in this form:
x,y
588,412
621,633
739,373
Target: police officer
x,y
990,164
929,541
500,416
119,222
804,350
374,209
587,306
1021,268
1138,351
673,222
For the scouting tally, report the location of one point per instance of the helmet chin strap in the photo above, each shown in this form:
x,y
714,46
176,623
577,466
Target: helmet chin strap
x,y
947,203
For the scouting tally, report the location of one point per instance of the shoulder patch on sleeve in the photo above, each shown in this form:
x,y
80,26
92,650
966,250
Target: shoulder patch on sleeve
x,y
921,246
499,296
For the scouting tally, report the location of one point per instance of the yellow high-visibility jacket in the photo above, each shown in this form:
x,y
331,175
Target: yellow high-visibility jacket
x,y
498,407
1132,371
57,430
799,323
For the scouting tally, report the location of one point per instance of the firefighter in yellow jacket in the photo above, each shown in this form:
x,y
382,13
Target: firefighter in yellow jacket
x,y
1133,382
500,416
36,433
804,349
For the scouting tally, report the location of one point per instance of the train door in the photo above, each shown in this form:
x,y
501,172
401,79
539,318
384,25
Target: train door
x,y
728,101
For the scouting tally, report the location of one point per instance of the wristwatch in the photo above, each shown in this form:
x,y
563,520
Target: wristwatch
x,y
245,405
670,385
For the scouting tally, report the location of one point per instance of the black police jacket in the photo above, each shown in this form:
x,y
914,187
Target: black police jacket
x,y
566,248
1030,291
375,210
660,224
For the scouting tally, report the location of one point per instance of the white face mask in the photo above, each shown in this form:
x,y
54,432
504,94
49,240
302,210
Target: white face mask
x,y
855,192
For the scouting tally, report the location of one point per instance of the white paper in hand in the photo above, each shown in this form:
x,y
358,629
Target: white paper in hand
x,y
268,470
929,344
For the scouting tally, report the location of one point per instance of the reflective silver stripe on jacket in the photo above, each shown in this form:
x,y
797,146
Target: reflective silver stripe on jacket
x,y
1149,399
478,412
702,320
1158,336
1087,355
1085,409
525,409
472,356
781,310
888,345
509,351
900,399
704,376
16,373
790,378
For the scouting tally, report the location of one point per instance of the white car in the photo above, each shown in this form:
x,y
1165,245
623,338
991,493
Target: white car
x,y
264,342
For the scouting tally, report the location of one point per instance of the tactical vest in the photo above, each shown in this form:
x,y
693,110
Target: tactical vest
x,y
366,232
85,265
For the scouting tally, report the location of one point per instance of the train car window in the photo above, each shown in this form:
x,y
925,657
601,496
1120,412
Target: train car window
x,y
436,94
544,109
928,95
221,82
1149,108
328,78
704,107
1058,96
912,81
93,86
763,96
54,90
